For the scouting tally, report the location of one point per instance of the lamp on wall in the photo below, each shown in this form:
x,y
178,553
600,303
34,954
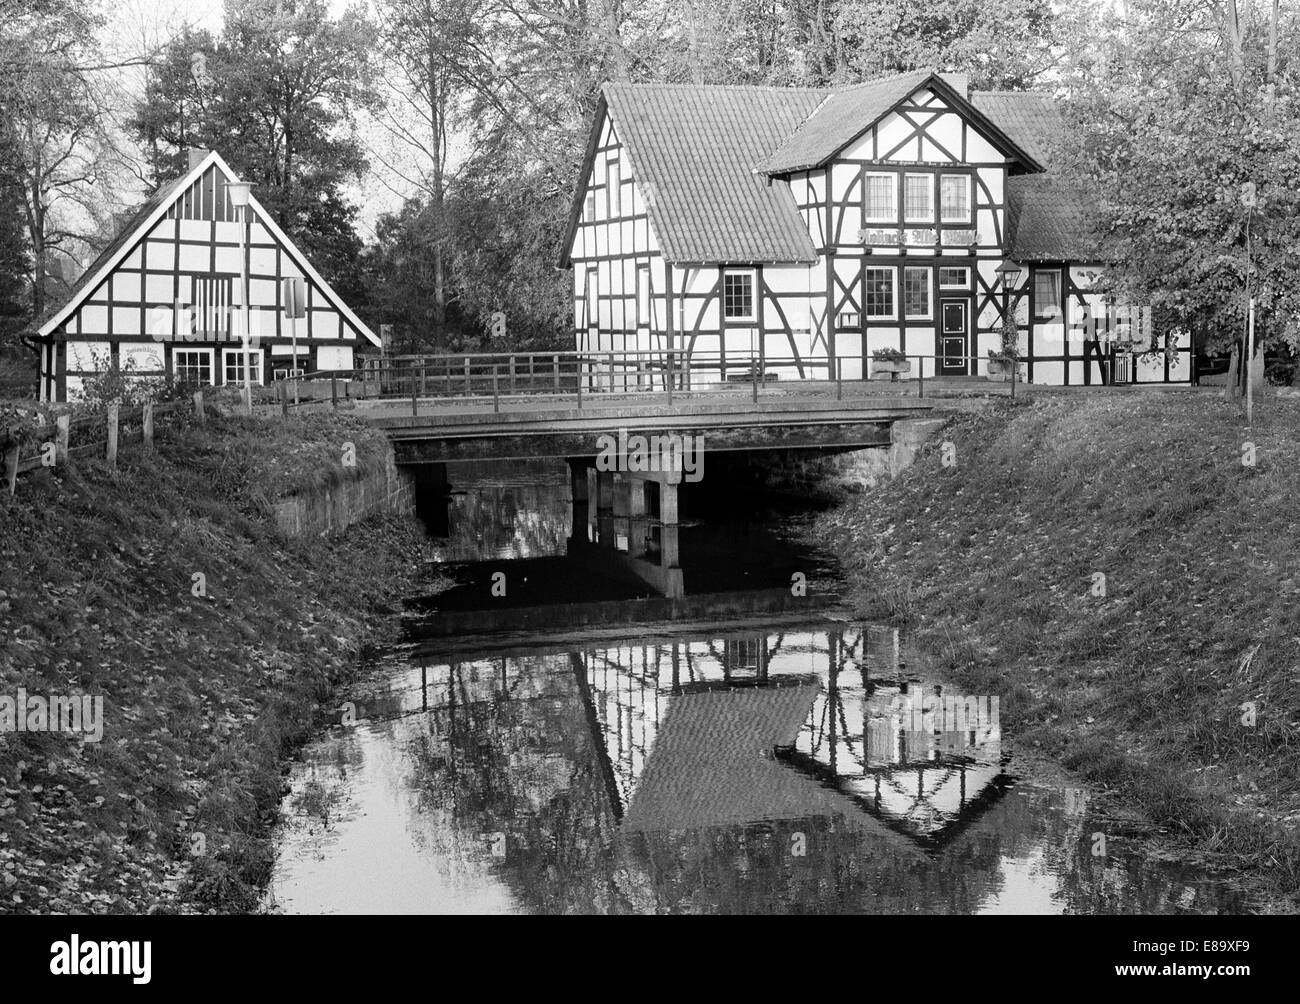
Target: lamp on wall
x,y
240,192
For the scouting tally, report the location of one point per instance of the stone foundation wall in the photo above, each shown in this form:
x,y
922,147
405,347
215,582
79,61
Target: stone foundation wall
x,y
806,472
331,510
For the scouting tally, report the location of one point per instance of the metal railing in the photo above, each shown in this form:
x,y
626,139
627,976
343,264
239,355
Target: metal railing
x,y
583,376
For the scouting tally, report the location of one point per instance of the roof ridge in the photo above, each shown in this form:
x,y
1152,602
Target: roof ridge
x,y
648,84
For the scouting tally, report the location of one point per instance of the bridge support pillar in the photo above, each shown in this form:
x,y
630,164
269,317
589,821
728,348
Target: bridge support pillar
x,y
578,479
636,497
668,504
605,491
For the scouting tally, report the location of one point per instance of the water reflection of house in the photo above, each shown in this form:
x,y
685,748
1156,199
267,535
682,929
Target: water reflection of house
x,y
708,732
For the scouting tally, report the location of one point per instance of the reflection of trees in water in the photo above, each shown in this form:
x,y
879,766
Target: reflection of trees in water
x,y
508,521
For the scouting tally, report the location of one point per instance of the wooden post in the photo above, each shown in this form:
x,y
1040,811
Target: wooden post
x,y
146,424
496,399
611,372
557,374
284,400
468,384
1015,365
334,390
64,423
839,379
198,405
11,469
753,378
415,401
512,376
920,376
577,366
110,450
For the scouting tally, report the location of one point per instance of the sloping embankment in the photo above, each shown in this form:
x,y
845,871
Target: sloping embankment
x,y
204,689
1111,567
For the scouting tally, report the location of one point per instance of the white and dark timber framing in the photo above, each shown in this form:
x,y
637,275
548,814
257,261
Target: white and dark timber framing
x,y
807,228
162,299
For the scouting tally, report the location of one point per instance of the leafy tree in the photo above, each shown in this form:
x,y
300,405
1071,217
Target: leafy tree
x,y
1185,118
275,91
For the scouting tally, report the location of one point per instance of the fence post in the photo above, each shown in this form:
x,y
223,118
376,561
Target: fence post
x,y
753,375
64,423
110,450
920,376
496,371
839,379
146,424
198,405
11,469
334,390
671,378
577,367
1015,365
557,374
415,401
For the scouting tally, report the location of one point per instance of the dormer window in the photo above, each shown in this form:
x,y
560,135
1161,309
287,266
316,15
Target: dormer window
x,y
918,198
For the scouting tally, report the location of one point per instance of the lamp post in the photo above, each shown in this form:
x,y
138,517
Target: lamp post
x,y
240,192
1009,271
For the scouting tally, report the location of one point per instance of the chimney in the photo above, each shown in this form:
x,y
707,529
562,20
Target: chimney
x,y
959,82
194,157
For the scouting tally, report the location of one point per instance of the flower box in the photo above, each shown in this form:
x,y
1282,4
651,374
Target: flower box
x,y
888,369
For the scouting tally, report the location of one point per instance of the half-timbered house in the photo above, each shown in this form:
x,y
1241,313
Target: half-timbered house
x,y
802,230
163,299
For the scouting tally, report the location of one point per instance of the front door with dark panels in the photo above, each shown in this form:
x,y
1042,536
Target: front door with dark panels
x,y
954,337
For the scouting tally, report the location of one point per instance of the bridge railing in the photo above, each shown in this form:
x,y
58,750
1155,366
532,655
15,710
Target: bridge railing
x,y
576,375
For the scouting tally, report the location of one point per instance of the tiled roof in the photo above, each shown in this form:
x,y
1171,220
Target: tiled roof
x,y
1049,219
1030,118
842,116
694,150
712,763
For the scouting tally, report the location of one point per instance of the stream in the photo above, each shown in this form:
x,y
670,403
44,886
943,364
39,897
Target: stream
x,y
575,727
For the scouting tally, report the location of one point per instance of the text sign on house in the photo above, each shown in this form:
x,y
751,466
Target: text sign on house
x,y
295,298
879,238
961,238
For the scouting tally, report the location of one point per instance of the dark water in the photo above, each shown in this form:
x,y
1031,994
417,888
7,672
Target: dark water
x,y
731,748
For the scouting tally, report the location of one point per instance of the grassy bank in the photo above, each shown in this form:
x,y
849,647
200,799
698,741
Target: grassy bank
x,y
1136,682
203,694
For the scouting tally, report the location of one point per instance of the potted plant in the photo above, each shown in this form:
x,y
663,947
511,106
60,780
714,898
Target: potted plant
x,y
888,363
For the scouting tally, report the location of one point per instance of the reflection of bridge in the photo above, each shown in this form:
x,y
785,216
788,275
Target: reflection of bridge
x,y
629,556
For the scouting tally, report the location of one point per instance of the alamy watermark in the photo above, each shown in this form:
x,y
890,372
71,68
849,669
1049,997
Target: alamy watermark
x,y
658,453
75,714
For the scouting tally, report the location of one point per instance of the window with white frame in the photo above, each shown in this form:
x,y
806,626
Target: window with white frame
x,y
881,198
954,198
738,295
613,188
918,198
954,278
916,292
192,365
1047,295
879,292
233,365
